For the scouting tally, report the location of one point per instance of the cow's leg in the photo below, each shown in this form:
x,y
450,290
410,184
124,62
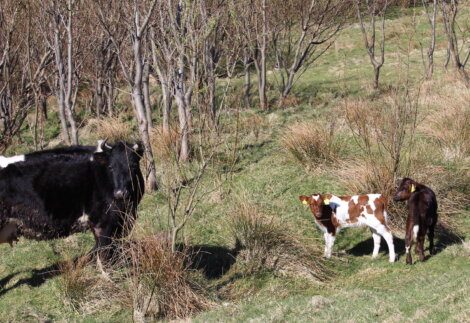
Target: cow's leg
x,y
420,245
432,251
377,239
102,243
384,231
409,243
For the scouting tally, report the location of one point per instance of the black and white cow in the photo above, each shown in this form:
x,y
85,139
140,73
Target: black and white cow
x,y
45,197
42,155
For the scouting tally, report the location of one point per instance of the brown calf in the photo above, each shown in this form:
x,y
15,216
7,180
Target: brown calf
x,y
422,215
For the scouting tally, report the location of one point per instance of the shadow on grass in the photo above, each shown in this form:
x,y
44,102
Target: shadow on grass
x,y
365,247
36,279
444,237
213,261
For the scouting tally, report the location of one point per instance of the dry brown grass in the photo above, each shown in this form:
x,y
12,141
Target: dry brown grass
x,y
289,101
252,124
165,145
160,283
313,143
269,245
84,289
111,128
448,123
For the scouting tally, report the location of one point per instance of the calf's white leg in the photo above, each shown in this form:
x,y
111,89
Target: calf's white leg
x,y
387,235
329,241
377,239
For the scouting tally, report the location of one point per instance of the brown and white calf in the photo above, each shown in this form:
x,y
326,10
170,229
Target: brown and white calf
x,y
422,215
332,213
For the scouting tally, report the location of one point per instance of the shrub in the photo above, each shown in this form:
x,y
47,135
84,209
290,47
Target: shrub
x,y
83,289
313,143
268,245
160,284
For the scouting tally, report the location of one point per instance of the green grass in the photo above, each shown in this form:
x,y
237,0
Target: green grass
x,y
361,289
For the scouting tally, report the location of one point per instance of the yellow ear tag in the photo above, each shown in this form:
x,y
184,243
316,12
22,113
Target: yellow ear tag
x,y
304,202
413,188
326,202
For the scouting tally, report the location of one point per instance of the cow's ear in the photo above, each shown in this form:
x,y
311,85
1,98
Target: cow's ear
x,y
103,146
138,148
304,199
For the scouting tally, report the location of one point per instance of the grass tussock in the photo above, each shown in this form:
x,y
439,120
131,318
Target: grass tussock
x,y
160,284
111,128
84,290
448,123
165,145
313,143
267,245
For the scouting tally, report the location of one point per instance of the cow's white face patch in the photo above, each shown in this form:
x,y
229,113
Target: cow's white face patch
x,y
316,197
5,161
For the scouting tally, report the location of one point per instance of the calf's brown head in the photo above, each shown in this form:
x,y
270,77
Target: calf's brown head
x,y
405,189
315,202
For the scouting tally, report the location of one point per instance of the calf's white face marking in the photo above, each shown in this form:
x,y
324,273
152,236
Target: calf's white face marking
x,y
5,161
415,231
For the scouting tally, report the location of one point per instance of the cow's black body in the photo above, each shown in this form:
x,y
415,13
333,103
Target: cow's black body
x,y
45,196
63,152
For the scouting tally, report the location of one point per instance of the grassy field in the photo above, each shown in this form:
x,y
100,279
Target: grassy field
x,y
266,176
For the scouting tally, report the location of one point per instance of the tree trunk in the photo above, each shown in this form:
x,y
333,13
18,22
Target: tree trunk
x,y
137,97
262,72
247,84
182,111
69,103
60,89
166,108
376,76
146,90
99,93
110,96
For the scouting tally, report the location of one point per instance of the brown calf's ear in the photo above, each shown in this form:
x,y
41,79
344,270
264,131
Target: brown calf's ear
x,y
304,199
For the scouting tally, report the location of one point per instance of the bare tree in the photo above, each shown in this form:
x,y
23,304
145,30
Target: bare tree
x,y
450,10
302,27
252,17
429,65
60,25
178,37
22,67
373,8
133,67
